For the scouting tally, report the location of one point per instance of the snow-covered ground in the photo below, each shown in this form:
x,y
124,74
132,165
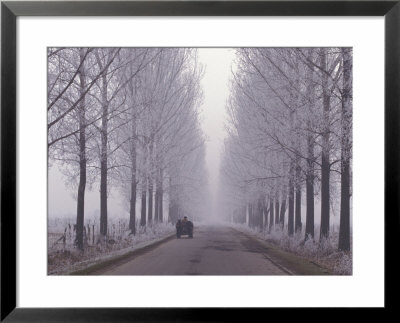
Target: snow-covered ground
x,y
325,253
64,258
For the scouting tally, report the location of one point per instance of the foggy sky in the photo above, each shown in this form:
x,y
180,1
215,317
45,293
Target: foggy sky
x,y
218,63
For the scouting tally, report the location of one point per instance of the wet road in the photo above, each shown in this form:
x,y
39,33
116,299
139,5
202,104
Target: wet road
x,y
214,250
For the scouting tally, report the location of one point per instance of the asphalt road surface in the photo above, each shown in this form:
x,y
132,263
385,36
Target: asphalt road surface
x,y
214,250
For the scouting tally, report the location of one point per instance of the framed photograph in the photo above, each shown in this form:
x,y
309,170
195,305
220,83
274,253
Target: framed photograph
x,y
197,158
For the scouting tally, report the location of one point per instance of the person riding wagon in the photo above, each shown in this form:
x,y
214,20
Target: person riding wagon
x,y
184,227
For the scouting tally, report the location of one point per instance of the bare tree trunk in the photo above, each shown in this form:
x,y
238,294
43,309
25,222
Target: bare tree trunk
x,y
157,194
150,201
172,210
291,180
297,168
156,201
344,230
254,213
80,214
104,158
250,212
160,203
132,207
271,213
309,232
143,209
325,178
310,189
325,164
132,210
277,210
291,206
298,224
170,202
243,215
265,212
282,213
257,213
150,184
260,213
254,210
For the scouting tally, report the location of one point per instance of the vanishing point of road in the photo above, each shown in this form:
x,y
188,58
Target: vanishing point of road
x,y
214,250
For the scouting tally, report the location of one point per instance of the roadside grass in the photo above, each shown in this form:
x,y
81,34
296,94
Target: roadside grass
x,y
64,258
324,254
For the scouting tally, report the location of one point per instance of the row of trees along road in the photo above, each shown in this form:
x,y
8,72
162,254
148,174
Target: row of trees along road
x,y
127,119
290,132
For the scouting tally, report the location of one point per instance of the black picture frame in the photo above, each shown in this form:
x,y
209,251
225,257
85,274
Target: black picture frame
x,y
11,10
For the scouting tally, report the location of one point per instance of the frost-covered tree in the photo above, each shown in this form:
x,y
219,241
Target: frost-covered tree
x,y
70,115
288,127
127,119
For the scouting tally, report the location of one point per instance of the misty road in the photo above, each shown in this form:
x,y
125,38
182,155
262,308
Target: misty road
x,y
214,250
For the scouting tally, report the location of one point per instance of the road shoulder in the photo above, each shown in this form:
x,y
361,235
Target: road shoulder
x,y
100,267
289,262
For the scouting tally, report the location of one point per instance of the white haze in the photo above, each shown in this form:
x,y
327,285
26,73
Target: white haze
x,y
218,64
61,202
